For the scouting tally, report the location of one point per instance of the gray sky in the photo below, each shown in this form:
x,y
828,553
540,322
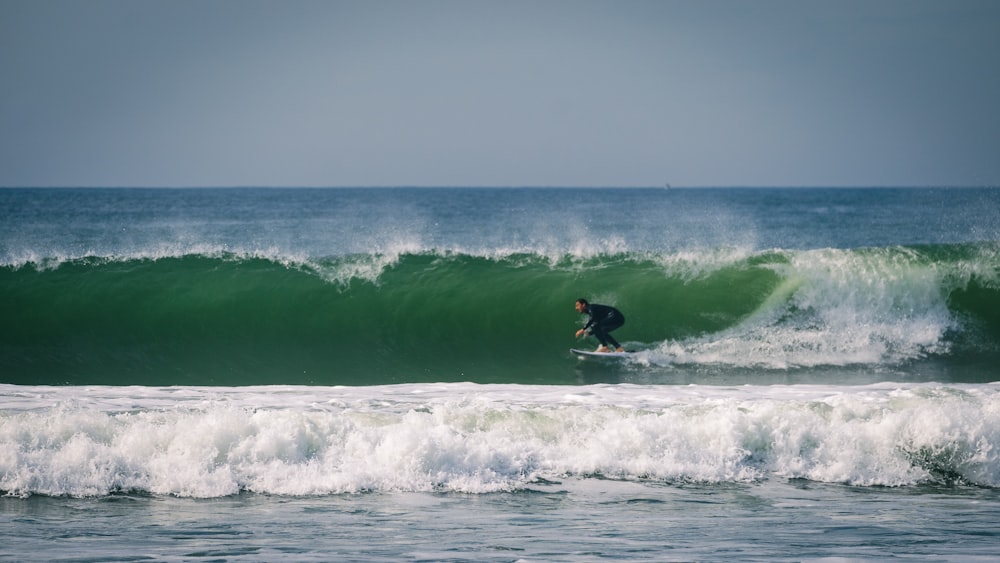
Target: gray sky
x,y
468,93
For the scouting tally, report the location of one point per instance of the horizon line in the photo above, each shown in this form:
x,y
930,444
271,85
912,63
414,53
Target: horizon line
x,y
502,187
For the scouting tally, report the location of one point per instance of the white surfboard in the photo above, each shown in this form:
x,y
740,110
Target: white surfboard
x,y
595,354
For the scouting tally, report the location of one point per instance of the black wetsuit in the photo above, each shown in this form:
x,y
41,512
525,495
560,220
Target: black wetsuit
x,y
604,319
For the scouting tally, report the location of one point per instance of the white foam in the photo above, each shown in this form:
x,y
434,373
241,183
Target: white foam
x,y
835,307
208,442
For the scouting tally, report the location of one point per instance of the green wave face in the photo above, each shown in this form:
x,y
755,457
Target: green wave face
x,y
371,319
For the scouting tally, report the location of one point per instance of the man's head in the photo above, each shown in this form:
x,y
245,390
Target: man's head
x,y
581,305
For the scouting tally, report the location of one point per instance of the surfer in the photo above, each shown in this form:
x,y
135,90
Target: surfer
x,y
603,319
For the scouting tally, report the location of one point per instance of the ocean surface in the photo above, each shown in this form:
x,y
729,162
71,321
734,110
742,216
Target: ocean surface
x,y
384,374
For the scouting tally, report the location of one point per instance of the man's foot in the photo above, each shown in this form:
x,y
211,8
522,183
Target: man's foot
x,y
620,349
603,349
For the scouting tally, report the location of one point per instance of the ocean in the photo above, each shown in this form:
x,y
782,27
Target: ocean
x,y
384,374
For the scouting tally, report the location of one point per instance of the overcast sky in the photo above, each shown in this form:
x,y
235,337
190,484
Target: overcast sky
x,y
502,93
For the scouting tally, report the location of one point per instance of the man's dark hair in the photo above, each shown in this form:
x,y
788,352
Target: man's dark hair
x,y
582,300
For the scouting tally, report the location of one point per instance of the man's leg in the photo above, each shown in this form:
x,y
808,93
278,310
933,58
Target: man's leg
x,y
598,332
604,329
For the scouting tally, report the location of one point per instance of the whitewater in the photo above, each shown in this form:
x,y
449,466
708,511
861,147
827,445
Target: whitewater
x,y
204,442
384,374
